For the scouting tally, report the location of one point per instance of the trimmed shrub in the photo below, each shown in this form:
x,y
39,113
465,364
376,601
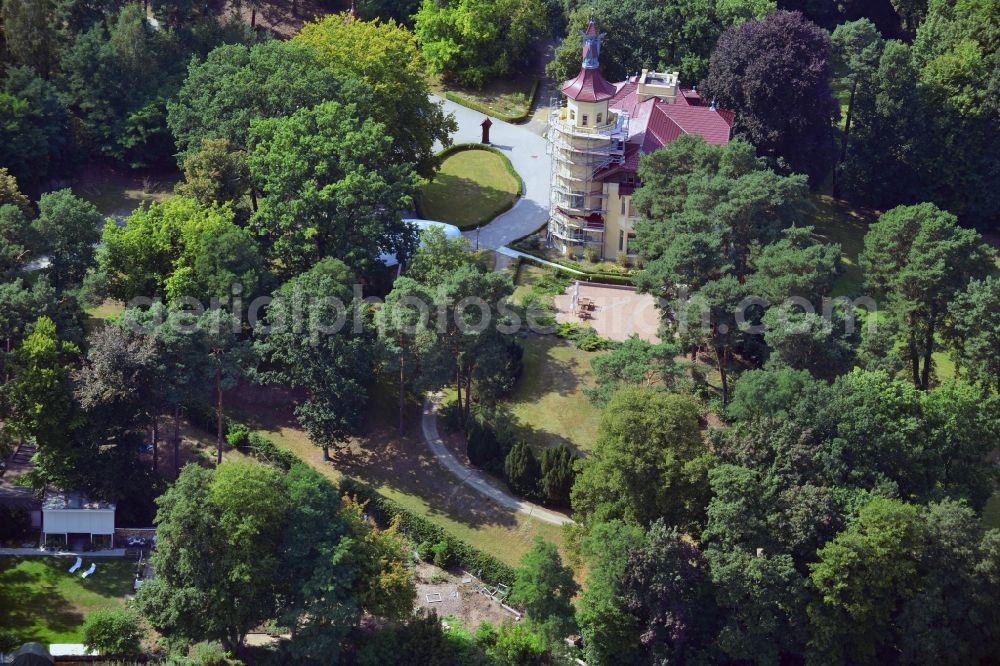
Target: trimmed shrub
x,y
483,565
114,632
425,551
442,553
521,469
557,474
451,416
483,447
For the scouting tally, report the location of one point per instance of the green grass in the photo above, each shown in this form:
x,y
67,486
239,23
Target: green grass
x,y
40,601
548,401
472,187
97,315
839,222
403,470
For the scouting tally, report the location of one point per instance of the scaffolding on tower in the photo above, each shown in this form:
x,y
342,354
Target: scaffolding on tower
x,y
578,154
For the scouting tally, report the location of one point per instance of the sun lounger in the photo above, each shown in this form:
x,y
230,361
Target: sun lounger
x,y
90,571
76,565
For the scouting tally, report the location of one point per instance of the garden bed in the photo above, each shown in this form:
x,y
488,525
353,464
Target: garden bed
x,y
507,100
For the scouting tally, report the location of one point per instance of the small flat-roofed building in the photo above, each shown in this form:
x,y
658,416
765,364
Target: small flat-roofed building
x,y
75,518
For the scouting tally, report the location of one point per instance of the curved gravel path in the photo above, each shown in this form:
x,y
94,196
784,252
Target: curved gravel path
x,y
525,146
473,477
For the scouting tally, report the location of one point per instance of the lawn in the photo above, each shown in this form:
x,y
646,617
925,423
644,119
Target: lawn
x,y
508,100
839,222
548,402
118,192
402,469
40,601
472,187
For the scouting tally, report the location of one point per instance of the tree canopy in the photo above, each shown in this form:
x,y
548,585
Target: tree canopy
x,y
775,74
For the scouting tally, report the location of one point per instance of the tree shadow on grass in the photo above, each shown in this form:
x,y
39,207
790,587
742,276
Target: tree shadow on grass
x,y
462,201
406,465
378,455
29,598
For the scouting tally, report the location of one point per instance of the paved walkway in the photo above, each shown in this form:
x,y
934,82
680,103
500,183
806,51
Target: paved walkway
x,y
526,150
40,552
474,478
510,252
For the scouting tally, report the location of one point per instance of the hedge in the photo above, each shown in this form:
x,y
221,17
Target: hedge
x,y
487,568
578,273
482,108
241,437
461,147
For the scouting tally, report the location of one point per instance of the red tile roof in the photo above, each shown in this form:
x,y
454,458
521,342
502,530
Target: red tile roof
x,y
653,123
589,86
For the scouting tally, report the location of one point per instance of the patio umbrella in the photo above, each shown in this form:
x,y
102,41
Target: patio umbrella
x,y
576,295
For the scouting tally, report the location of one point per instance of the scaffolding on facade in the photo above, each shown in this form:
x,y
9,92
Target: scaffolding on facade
x,y
578,154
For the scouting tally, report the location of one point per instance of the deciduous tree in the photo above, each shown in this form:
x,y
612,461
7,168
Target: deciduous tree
x,y
313,342
544,586
775,75
236,84
650,461
385,58
331,189
67,228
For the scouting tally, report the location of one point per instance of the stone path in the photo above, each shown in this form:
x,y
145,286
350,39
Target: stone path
x,y
474,478
526,151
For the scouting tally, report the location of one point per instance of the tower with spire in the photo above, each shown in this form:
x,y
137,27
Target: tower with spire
x,y
585,137
598,132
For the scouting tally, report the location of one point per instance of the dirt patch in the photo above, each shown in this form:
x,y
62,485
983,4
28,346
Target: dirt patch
x,y
285,17
458,596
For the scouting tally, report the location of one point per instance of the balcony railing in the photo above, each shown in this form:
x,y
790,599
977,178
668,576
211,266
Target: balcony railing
x,y
566,220
559,118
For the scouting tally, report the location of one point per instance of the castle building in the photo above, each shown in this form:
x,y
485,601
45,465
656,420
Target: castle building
x,y
595,140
